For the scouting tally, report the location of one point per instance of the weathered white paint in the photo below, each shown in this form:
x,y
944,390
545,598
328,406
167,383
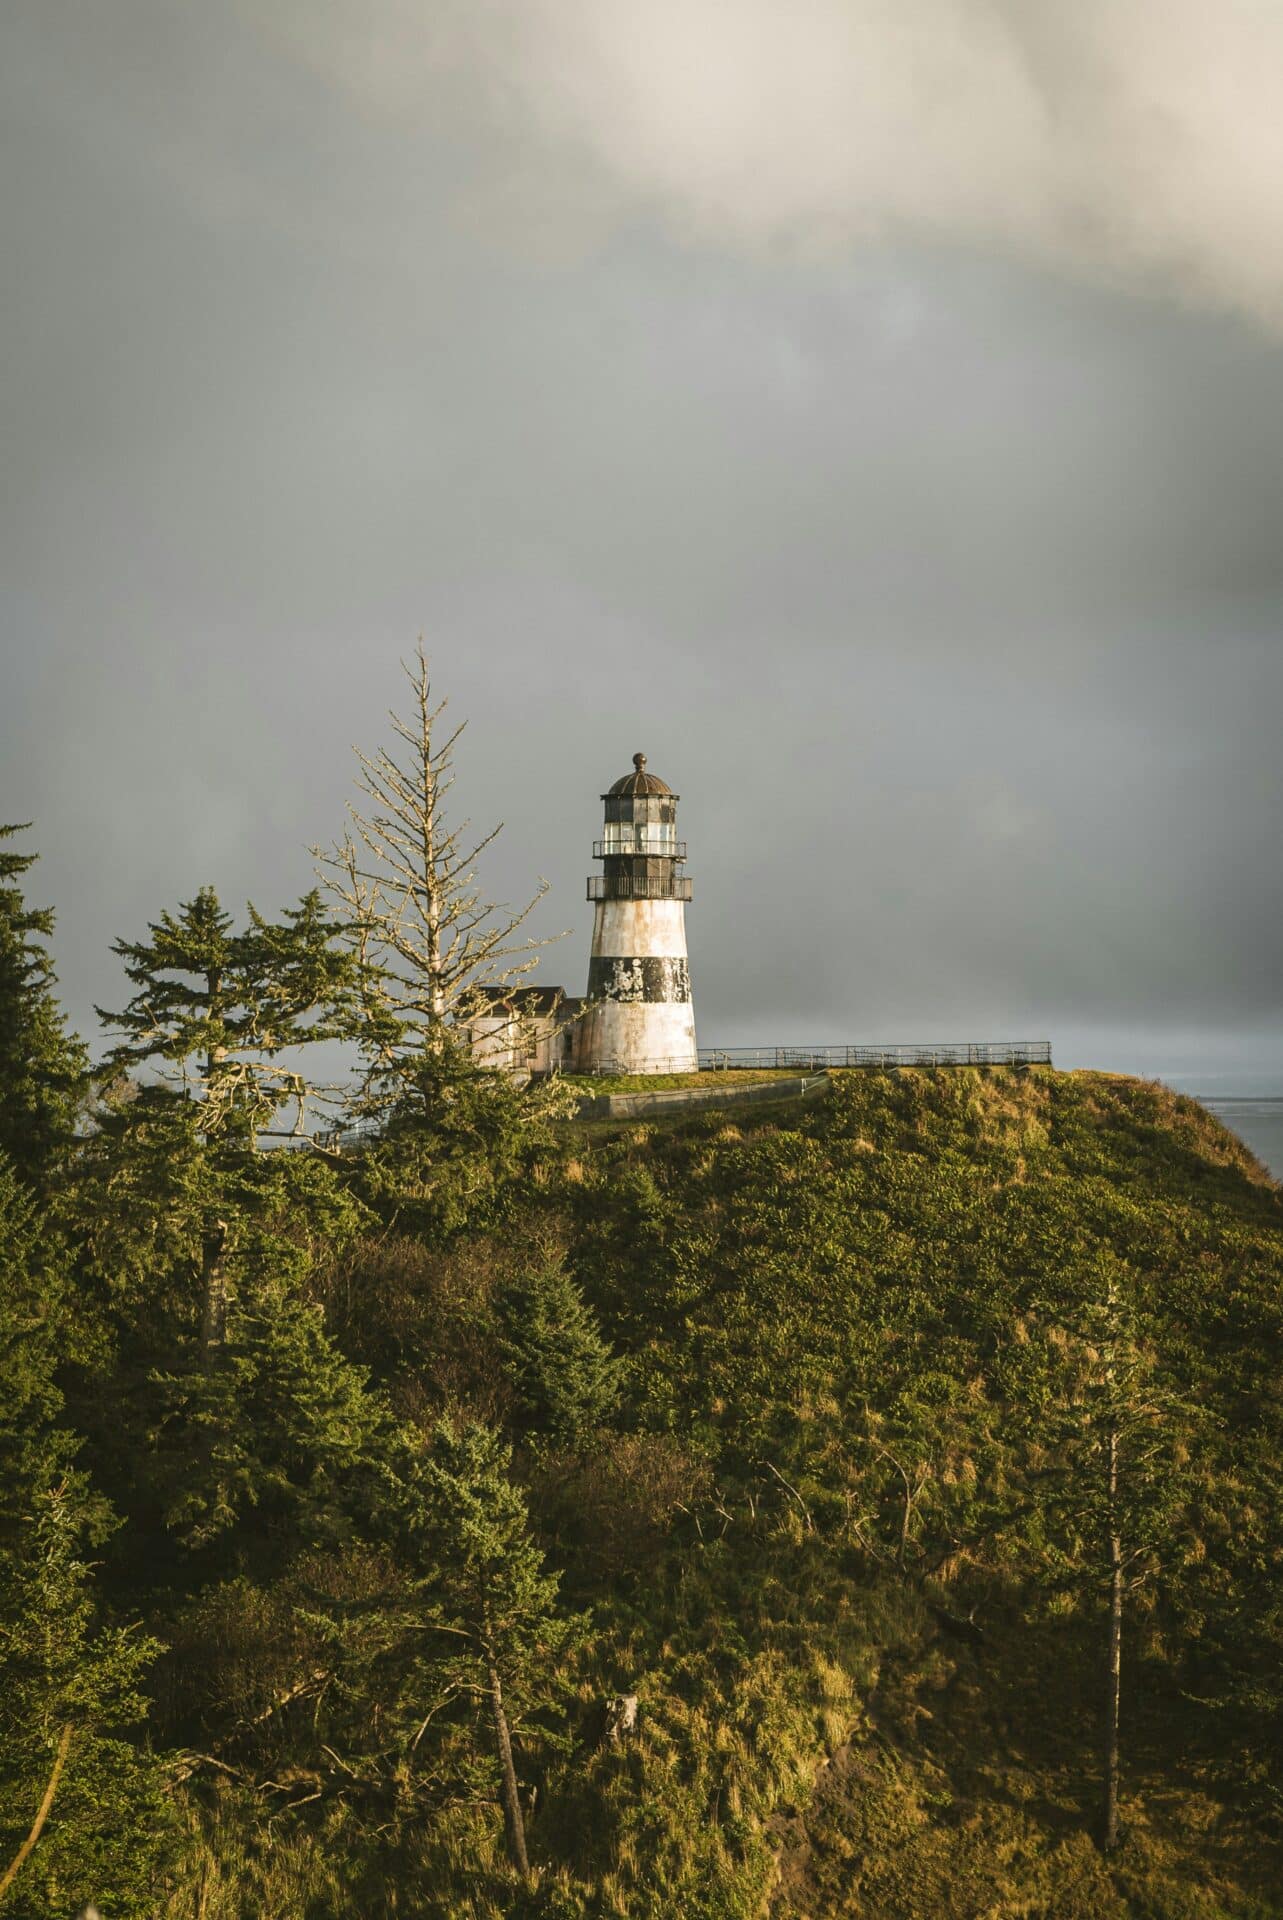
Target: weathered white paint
x,y
491,1038
510,1042
639,1036
624,928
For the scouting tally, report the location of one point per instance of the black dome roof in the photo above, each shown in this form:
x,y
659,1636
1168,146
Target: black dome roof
x,y
639,781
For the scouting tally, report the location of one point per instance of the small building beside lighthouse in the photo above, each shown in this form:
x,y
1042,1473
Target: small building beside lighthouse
x,y
638,1016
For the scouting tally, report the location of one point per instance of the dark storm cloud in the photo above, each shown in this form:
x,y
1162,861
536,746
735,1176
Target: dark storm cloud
x,y
946,588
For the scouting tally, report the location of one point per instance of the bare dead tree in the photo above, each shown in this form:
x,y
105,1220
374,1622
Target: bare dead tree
x,y
429,946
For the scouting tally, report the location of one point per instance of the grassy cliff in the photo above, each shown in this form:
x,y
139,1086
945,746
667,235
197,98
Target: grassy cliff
x,y
822,1304
855,1439
842,1535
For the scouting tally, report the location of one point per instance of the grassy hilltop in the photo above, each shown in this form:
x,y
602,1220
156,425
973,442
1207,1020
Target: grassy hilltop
x,y
809,1407
839,1534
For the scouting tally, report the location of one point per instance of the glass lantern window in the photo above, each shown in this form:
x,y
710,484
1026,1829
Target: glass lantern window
x,y
651,809
639,837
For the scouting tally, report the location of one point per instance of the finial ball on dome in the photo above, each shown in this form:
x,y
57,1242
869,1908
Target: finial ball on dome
x,y
639,782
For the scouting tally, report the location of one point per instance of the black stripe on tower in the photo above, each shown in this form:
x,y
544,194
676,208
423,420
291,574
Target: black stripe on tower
x,y
653,977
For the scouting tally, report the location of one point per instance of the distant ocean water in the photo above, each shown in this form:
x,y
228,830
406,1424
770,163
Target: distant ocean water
x,y
1257,1119
1250,1104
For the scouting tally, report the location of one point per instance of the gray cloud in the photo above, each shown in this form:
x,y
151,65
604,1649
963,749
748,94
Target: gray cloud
x,y
1119,138
946,588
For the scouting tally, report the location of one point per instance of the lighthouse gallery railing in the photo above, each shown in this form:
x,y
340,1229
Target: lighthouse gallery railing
x,y
638,886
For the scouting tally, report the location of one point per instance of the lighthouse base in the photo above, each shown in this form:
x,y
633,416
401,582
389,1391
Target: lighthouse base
x,y
638,1036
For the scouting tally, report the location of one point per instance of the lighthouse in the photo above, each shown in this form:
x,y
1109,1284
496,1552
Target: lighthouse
x,y
639,1017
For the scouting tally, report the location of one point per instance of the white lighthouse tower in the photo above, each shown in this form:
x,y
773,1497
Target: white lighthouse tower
x,y
639,1016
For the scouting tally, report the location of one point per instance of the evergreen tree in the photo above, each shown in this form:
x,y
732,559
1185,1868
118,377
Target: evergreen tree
x,y
433,1661
271,1446
32,1320
42,1068
566,1378
216,1009
1111,1497
69,1687
79,1807
195,1247
227,1412
449,1154
493,1610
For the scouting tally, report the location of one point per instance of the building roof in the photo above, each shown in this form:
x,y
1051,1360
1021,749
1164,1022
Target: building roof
x,y
639,781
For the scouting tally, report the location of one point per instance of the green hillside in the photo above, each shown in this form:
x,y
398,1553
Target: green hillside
x,y
791,1421
890,1297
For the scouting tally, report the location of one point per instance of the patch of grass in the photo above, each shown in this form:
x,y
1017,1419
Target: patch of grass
x,y
661,1082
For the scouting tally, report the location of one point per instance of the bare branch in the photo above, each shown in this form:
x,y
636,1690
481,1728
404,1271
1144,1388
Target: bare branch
x,y
429,945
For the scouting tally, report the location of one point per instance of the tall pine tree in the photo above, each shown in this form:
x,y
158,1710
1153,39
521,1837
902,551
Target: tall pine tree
x,y
490,1610
1109,1507
42,1067
79,1804
221,1014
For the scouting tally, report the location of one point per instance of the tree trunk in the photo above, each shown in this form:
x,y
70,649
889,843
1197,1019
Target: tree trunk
x,y
42,1814
431,876
213,1321
514,1825
1114,1662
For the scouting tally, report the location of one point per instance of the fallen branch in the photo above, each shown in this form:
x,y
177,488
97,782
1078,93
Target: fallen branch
x,y
806,1511
283,1699
186,1764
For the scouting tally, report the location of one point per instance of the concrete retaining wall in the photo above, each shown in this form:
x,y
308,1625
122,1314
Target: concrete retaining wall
x,y
636,1106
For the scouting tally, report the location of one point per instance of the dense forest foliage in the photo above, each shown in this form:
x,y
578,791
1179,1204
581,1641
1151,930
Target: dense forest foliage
x,y
498,1513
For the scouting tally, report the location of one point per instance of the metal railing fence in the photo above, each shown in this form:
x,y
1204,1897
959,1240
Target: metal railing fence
x,y
969,1053
638,886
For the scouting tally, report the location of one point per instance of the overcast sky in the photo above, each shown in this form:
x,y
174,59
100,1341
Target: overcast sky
x,y
873,411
